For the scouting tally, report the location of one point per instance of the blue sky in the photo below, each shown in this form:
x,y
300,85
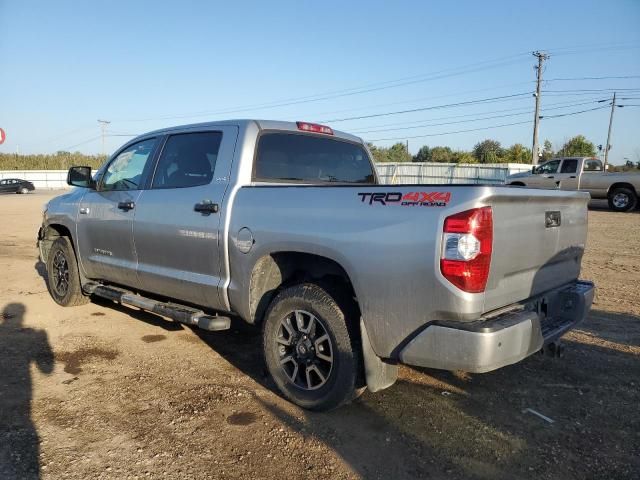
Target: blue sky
x,y
144,65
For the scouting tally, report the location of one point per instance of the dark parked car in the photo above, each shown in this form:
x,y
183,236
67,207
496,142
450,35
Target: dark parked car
x,y
15,185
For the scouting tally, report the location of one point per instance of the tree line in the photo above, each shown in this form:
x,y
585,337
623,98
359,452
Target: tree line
x,y
487,151
56,161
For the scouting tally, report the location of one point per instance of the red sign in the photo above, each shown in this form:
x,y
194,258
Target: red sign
x,y
2,136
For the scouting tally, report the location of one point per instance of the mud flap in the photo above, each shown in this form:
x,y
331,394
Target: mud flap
x,y
379,374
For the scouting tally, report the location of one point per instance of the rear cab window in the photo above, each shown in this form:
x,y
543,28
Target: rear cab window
x,y
302,158
592,165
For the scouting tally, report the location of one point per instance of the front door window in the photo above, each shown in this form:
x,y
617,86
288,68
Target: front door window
x,y
125,171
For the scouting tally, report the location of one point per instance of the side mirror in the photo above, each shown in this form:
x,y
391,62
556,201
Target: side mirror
x,y
533,169
80,177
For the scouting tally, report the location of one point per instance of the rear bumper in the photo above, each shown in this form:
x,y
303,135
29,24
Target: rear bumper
x,y
502,340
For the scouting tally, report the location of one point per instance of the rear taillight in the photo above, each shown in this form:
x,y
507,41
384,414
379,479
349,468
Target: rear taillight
x,y
467,241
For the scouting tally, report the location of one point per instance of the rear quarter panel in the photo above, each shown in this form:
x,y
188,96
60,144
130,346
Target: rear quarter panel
x,y
389,251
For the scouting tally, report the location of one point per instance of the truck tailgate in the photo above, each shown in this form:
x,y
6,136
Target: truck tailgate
x,y
531,254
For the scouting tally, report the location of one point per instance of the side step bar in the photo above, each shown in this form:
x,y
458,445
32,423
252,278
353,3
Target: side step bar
x,y
179,313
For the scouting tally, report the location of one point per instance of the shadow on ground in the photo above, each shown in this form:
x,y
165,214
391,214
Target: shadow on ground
x,y
20,347
456,425
436,424
603,205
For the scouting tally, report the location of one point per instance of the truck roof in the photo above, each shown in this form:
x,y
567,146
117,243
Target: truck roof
x,y
262,124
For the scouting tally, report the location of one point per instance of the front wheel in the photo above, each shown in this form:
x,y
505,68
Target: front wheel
x,y
63,278
23,191
622,199
309,349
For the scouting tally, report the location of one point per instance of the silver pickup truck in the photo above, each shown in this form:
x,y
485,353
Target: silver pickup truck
x,y
586,174
284,226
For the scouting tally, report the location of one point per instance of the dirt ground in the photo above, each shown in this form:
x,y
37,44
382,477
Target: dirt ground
x,y
102,391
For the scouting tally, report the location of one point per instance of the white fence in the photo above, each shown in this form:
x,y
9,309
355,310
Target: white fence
x,y
394,173
403,173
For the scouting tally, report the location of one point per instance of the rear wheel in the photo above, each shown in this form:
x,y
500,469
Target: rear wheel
x,y
309,350
622,199
23,190
63,279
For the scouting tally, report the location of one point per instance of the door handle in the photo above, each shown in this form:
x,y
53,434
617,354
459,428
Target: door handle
x,y
572,176
126,206
550,176
84,210
206,207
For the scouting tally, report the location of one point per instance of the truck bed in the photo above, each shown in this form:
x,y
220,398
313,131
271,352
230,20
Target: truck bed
x,y
388,240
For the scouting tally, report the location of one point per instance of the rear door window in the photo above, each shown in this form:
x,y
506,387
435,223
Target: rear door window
x,y
187,160
569,166
292,157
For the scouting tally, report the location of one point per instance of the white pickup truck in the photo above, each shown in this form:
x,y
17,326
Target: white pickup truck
x,y
586,174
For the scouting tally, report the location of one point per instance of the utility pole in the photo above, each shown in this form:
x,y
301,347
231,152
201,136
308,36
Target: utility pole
x,y
536,120
103,128
608,145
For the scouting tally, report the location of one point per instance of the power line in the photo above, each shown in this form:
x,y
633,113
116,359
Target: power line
x,y
471,129
578,51
449,133
477,119
447,123
65,134
456,94
556,105
474,67
593,46
371,87
573,113
81,143
528,112
435,107
591,78
591,90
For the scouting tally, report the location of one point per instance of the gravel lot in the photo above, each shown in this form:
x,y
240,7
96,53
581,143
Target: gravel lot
x,y
102,391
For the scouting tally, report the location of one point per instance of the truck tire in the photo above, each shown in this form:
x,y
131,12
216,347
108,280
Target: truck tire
x,y
622,199
310,352
63,279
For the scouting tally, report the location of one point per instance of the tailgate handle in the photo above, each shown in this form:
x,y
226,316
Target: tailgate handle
x,y
552,219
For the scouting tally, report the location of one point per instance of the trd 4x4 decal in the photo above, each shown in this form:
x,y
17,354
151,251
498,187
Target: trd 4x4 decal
x,y
411,199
